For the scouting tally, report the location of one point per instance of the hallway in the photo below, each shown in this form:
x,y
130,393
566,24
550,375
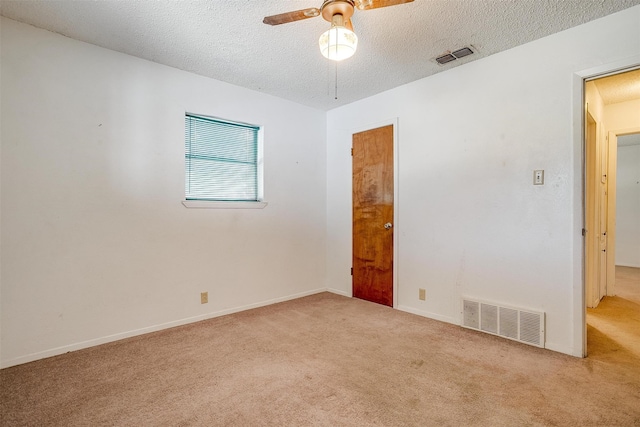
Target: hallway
x,y
613,328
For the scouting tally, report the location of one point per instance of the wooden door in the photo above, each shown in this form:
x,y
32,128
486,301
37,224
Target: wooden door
x,y
373,215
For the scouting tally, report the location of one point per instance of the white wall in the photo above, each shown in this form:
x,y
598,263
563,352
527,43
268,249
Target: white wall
x,y
628,207
96,244
470,221
622,115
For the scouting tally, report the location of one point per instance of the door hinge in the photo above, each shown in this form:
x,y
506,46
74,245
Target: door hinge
x,y
352,151
584,232
352,271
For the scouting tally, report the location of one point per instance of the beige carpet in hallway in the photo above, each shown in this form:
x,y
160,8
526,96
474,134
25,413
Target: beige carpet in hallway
x,y
325,360
614,326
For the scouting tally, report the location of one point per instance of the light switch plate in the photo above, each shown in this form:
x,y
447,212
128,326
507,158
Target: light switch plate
x,y
538,177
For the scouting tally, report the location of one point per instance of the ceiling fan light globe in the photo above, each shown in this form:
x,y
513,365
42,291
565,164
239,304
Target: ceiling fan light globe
x,y
338,43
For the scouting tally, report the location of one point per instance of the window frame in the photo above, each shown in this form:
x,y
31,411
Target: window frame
x,y
230,204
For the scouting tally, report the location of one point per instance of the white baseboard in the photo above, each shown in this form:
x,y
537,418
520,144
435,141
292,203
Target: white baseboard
x,y
154,328
339,292
429,315
563,349
629,264
548,345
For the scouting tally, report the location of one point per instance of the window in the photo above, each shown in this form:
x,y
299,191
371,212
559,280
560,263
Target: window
x,y
221,160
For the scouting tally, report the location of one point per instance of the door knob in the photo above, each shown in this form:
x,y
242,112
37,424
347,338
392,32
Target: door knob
x,y
388,225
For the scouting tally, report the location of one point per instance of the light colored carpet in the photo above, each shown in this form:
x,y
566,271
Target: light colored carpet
x,y
614,326
326,360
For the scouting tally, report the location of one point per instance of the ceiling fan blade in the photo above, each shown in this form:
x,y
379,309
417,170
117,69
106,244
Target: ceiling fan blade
x,y
375,4
296,15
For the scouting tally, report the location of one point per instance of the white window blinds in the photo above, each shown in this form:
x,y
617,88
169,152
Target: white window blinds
x,y
221,160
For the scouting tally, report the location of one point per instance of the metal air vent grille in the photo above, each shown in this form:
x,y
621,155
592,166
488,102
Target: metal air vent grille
x,y
523,325
452,56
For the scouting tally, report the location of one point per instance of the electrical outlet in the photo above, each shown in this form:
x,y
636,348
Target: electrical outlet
x,y
204,297
422,294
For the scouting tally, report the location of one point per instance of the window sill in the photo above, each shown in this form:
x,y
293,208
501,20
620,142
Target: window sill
x,y
206,204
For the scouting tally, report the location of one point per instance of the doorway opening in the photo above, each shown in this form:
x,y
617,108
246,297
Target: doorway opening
x,y
612,213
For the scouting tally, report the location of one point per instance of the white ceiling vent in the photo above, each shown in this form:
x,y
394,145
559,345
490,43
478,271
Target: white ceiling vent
x,y
523,325
452,56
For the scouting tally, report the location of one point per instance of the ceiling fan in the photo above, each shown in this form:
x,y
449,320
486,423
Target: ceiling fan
x,y
339,42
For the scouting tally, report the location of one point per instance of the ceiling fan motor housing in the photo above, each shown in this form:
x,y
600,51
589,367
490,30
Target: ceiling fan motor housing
x,y
337,7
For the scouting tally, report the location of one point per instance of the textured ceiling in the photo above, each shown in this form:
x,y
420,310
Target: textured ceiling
x,y
226,39
619,87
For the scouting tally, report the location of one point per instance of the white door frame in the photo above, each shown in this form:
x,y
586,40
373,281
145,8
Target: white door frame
x,y
579,294
591,208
